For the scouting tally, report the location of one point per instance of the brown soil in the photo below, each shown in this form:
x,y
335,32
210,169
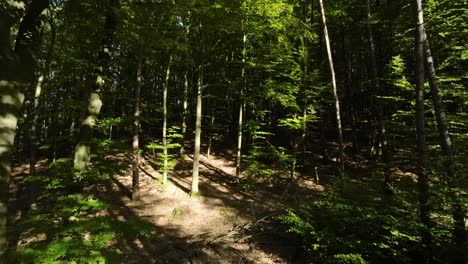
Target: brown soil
x,y
225,224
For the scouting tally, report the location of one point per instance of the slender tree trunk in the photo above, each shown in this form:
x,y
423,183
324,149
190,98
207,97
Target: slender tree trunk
x,y
335,92
322,131
136,128
458,211
196,153
239,140
164,132
305,83
295,145
377,105
33,145
82,155
423,180
184,114
186,88
240,126
210,139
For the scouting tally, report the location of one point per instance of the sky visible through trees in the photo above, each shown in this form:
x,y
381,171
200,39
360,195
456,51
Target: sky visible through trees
x,y
243,131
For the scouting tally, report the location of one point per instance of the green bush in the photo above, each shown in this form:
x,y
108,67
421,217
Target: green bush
x,y
350,224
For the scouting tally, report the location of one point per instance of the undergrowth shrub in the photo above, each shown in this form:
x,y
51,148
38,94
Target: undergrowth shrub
x,y
71,222
354,223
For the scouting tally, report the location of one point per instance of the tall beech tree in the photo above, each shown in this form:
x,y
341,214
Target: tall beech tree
x,y
334,90
136,132
423,179
16,73
164,130
458,212
95,87
198,126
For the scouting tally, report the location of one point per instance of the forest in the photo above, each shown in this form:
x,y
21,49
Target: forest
x,y
233,131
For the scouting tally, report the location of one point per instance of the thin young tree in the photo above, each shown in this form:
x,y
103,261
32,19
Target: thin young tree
x,y
241,106
186,88
35,117
423,180
198,118
164,132
377,91
458,212
210,132
37,97
136,129
184,113
334,89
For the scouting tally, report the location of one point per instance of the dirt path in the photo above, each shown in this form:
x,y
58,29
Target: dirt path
x,y
224,225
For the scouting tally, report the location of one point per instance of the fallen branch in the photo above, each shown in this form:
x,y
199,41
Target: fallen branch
x,y
235,231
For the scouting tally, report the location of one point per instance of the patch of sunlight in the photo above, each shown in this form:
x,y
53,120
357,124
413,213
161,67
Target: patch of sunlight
x,y
12,4
8,121
95,103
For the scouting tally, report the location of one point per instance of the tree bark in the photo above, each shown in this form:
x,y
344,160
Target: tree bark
x,y
240,125
82,155
16,72
184,114
458,212
378,105
196,153
164,132
423,180
34,112
210,138
136,129
334,88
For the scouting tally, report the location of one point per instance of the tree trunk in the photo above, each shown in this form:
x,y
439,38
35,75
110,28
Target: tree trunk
x,y
184,114
135,143
335,92
16,72
196,153
83,148
10,107
378,105
34,112
423,180
322,131
458,212
241,108
82,155
164,132
210,138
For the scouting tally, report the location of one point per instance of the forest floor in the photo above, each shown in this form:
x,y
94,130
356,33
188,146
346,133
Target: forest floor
x,y
227,223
